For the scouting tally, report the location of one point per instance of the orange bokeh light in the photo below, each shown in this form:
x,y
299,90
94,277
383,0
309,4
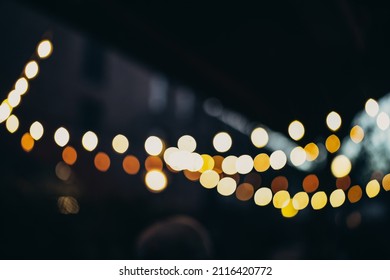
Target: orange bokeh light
x,y
102,162
27,142
131,165
69,155
310,183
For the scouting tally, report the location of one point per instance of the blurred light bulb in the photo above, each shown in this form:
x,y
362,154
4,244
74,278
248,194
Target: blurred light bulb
x,y
14,98
5,111
278,160
153,146
120,144
45,48
89,141
31,69
296,130
300,200
263,196
156,181
372,107
186,143
341,166
229,165
209,179
21,86
373,188
259,137
12,124
222,142
333,121
383,121
298,156
61,136
36,130
337,198
244,164
319,200
226,186
281,199
357,134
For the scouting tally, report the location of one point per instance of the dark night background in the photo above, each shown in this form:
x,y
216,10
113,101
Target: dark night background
x,y
269,62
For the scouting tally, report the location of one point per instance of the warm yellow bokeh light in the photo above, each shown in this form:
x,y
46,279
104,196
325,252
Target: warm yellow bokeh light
x,y
355,193
21,86
300,200
278,160
261,162
337,198
186,143
102,162
333,121
89,141
27,142
36,130
383,121
296,130
356,134
312,151
373,188
44,49
341,166
69,155
5,111
209,179
31,69
222,142
14,98
226,186
289,211
229,165
386,182
154,146
12,123
61,136
259,137
120,144
208,163
372,107
131,165
298,156
319,200
244,192
244,164
281,199
156,181
332,143
263,196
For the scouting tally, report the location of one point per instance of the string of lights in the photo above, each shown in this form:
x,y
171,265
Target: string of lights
x,y
213,172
